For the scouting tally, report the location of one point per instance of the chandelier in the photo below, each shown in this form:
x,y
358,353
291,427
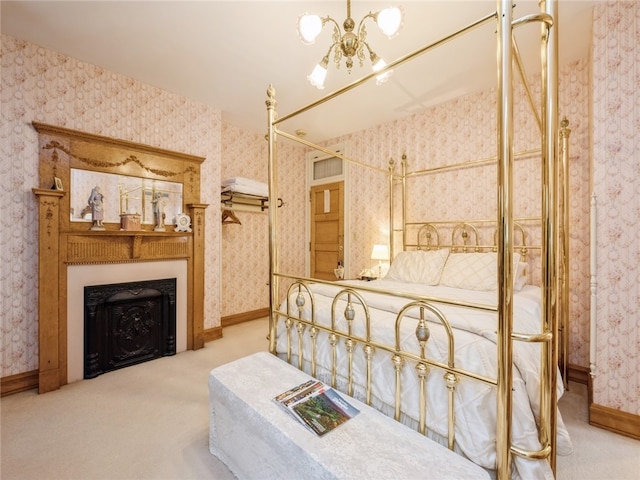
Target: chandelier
x,y
351,43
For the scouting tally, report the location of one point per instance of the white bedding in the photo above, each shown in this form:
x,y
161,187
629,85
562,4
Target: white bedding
x,y
475,350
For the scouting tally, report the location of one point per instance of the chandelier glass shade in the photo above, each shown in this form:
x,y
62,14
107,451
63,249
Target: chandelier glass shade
x,y
349,42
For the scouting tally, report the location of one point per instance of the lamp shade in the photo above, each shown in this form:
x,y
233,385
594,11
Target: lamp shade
x,y
390,20
309,27
380,252
317,76
379,65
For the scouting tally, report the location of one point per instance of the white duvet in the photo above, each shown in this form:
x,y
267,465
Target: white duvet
x,y
475,350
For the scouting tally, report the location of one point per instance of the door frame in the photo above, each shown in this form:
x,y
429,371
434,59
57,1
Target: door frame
x,y
314,156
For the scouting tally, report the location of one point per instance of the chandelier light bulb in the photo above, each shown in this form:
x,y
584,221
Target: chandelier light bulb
x,y
309,27
319,74
390,20
379,64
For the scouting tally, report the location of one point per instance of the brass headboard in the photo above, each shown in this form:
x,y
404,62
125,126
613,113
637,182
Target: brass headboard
x,y
466,238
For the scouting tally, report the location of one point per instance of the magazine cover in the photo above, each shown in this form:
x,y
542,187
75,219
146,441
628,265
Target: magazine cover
x,y
296,394
317,406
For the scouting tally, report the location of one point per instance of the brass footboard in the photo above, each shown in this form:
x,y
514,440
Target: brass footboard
x,y
299,313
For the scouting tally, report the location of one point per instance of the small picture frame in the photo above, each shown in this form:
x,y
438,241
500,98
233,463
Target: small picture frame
x,y
57,184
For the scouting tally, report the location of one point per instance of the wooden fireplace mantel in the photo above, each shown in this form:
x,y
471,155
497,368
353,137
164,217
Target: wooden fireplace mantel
x,y
63,242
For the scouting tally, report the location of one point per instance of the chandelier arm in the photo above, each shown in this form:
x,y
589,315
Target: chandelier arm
x,y
330,48
363,42
327,19
368,15
372,54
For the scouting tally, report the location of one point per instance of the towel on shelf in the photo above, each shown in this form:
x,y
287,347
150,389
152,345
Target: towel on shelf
x,y
246,186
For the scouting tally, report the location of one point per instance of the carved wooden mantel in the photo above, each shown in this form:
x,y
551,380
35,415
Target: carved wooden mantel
x,y
63,242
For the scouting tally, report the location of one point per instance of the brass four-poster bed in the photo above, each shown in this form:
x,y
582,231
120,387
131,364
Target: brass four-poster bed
x,y
472,366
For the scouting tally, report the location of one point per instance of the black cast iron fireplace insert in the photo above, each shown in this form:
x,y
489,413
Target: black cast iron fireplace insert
x,y
128,323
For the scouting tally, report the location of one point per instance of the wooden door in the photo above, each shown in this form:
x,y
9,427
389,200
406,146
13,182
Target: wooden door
x,y
327,229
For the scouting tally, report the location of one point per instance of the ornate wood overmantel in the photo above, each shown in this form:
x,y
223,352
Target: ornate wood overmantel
x,y
63,242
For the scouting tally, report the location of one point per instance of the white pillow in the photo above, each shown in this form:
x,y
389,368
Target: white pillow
x,y
418,266
473,271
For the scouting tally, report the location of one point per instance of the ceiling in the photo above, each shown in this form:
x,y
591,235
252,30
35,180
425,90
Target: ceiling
x,y
226,53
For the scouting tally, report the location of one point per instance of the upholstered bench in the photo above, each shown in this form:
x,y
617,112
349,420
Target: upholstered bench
x,y
257,439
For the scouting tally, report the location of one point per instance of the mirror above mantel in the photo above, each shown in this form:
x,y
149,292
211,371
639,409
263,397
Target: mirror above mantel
x,y
123,194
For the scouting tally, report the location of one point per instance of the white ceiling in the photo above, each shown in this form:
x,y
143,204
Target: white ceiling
x,y
226,53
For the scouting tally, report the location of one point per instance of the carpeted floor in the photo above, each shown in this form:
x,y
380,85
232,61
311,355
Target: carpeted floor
x,y
150,421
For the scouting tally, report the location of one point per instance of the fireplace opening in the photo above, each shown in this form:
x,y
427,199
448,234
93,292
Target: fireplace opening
x,y
128,323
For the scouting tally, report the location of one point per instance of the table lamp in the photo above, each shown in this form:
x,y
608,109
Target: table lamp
x,y
380,253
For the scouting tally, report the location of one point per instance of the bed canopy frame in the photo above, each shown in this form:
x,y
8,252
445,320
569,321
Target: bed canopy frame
x,y
553,219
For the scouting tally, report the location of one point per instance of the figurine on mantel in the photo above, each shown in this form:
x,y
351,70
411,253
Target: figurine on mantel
x,y
158,212
97,212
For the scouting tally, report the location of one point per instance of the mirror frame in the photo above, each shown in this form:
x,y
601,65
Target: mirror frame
x,y
63,149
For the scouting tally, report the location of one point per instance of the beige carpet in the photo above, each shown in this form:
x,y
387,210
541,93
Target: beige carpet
x,y
597,454
150,421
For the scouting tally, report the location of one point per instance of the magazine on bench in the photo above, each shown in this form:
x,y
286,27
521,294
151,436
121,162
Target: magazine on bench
x,y
317,406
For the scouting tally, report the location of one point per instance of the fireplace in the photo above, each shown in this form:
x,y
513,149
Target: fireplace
x,y
128,323
71,255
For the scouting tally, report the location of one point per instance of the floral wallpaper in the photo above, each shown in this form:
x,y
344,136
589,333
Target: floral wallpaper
x,y
245,247
40,85
616,174
574,106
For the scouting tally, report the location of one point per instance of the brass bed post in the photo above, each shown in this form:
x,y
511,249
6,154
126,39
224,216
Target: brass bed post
x,y
563,348
505,234
392,231
404,201
548,394
273,245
